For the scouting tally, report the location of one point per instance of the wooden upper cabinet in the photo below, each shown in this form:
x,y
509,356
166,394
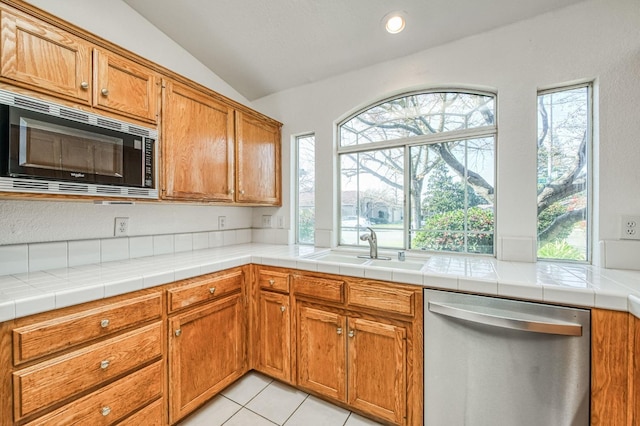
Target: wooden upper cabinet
x,y
44,57
125,87
197,146
258,161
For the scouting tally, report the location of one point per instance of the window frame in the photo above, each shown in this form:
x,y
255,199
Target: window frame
x,y
589,85
296,142
407,142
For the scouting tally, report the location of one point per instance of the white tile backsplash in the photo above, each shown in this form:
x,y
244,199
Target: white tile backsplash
x,y
200,240
163,244
183,242
14,259
34,257
84,252
141,246
48,256
114,249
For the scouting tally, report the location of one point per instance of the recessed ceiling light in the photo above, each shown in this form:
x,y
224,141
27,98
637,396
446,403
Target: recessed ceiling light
x,y
394,22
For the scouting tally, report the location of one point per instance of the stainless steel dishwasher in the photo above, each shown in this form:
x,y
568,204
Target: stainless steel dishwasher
x,y
496,362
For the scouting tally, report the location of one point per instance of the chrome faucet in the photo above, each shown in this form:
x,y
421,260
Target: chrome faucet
x,y
373,243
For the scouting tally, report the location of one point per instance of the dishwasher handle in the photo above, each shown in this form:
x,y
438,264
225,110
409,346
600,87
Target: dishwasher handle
x,y
545,327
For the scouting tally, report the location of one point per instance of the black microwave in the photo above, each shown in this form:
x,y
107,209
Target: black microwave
x,y
53,149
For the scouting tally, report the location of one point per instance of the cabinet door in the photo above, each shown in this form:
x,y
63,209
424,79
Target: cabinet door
x,y
321,351
125,87
258,161
44,57
206,353
197,146
274,347
636,368
377,369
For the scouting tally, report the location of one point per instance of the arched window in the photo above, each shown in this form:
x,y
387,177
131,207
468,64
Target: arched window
x,y
420,170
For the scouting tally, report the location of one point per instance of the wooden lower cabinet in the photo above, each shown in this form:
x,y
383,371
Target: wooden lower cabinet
x,y
377,368
635,375
354,360
320,342
206,353
274,335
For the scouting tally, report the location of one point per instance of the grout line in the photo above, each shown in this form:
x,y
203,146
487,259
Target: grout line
x,y
297,408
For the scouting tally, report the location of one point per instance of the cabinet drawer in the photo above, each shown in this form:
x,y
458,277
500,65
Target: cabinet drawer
x,y
151,415
272,280
44,338
319,288
204,288
52,381
113,402
383,297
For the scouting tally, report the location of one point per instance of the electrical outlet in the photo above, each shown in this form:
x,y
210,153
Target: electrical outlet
x,y
121,227
280,221
266,221
630,228
222,222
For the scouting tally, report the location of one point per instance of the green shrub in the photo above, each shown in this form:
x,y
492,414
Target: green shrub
x,y
445,231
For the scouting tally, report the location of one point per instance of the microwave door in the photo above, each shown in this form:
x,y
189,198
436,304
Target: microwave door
x,y
52,150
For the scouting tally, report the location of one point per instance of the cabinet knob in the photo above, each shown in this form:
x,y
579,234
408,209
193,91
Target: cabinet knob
x,y
105,92
352,333
272,282
84,85
282,308
104,364
242,192
231,192
105,411
339,330
212,290
104,323
178,332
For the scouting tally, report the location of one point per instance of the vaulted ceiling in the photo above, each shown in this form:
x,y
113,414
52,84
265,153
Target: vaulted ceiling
x,y
260,47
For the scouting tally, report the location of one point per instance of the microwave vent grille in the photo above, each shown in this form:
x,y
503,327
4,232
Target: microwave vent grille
x,y
138,131
31,104
16,184
109,124
70,187
74,115
29,185
108,190
138,192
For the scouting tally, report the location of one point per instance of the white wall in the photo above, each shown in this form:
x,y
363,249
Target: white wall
x,y
591,41
39,221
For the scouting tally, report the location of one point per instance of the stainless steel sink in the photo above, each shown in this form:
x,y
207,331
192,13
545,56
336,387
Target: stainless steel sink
x,y
338,258
410,265
354,259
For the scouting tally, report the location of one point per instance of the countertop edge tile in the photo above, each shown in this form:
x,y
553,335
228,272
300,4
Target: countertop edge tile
x,y
587,286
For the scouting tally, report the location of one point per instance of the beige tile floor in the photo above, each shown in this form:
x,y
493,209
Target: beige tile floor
x,y
257,400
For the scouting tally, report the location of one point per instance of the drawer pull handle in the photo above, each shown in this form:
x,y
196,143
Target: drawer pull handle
x,y
104,323
339,330
212,290
105,411
178,332
105,92
104,364
352,333
282,308
84,85
272,282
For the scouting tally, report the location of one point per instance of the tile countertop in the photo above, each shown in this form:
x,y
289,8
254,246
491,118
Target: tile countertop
x,y
553,282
